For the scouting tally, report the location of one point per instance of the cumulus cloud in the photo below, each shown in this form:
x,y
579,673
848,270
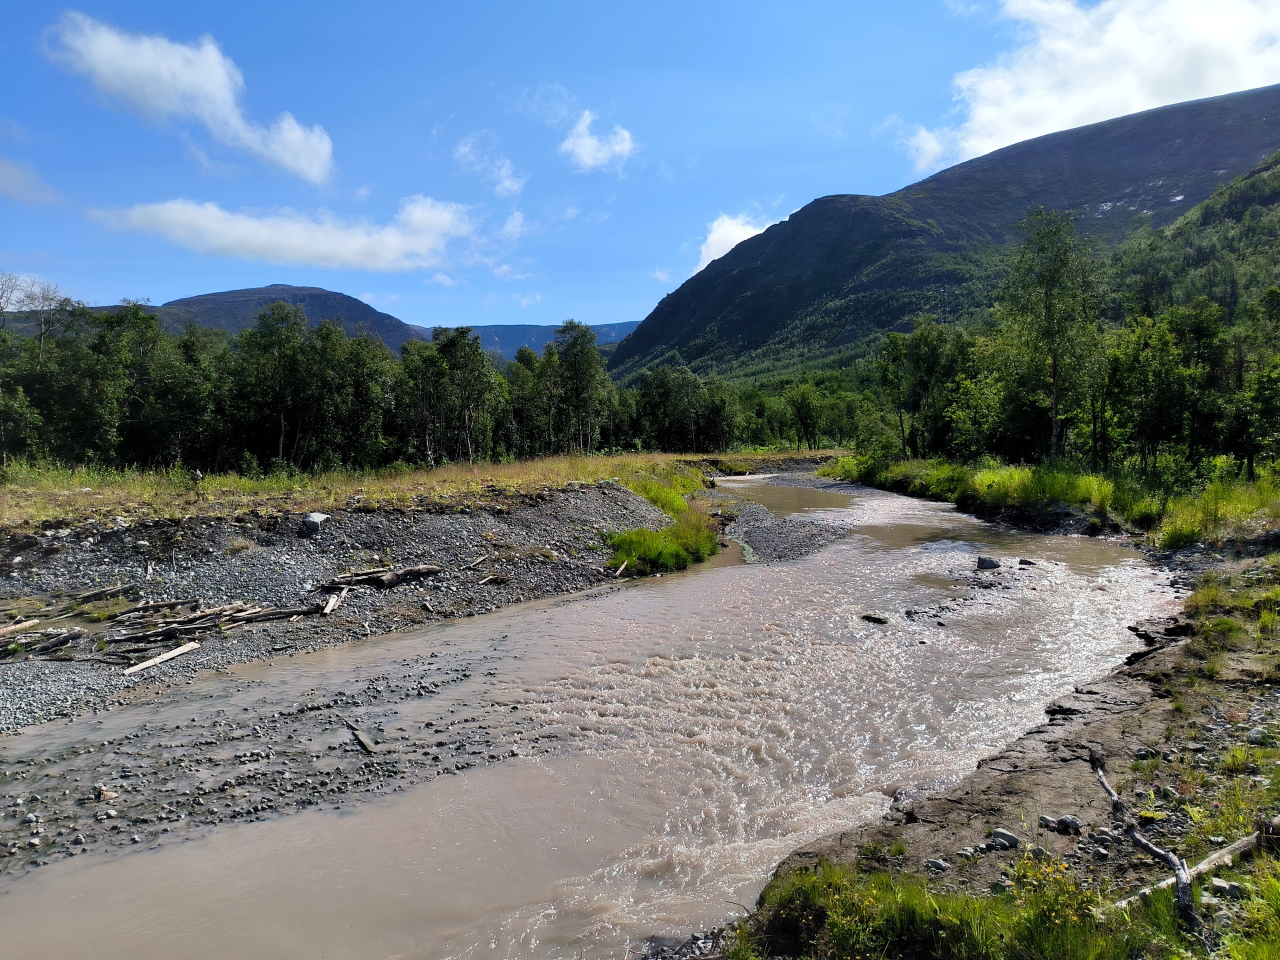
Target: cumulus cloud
x,y
21,181
478,153
415,239
187,81
726,232
590,152
1082,62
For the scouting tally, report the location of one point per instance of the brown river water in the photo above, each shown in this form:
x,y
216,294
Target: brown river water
x,y
683,735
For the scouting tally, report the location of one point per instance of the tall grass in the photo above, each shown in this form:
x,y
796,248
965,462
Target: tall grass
x,y
33,494
1224,508
839,914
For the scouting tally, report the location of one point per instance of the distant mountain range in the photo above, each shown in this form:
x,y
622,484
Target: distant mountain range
x,y
506,340
812,288
235,310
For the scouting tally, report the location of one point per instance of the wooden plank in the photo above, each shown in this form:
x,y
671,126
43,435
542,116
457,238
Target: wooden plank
x,y
154,661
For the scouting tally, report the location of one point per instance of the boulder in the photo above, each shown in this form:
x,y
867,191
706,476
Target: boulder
x,y
1008,838
312,522
987,563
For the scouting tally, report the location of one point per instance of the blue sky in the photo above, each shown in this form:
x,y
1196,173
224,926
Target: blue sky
x,y
525,163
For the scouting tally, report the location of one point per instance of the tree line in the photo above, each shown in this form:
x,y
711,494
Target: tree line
x,y
113,388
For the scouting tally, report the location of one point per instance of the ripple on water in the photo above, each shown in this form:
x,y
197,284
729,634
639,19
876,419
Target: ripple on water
x,y
704,726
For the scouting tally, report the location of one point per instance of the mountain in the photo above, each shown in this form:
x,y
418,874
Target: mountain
x,y
808,290
507,339
235,310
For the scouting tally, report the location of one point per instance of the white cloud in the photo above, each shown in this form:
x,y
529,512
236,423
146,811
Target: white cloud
x,y
21,181
443,280
506,272
1081,63
515,227
528,299
478,153
193,81
383,299
416,239
590,152
726,232
661,275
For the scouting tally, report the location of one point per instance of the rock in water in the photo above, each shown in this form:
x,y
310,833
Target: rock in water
x,y
987,563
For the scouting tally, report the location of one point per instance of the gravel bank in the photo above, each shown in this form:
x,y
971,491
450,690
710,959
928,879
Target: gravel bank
x,y
527,548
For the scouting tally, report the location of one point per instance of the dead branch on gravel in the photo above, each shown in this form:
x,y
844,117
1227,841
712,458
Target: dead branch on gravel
x,y
1226,857
383,578
104,593
1181,875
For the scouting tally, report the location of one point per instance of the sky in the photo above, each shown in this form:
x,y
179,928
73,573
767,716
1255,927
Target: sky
x,y
503,162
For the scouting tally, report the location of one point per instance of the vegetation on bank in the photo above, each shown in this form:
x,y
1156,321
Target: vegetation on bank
x,y
41,494
1057,911
1226,508
837,913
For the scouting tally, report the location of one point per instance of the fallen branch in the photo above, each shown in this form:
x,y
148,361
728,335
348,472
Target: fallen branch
x,y
1223,858
486,580
1181,875
383,580
104,593
153,607
163,658
618,573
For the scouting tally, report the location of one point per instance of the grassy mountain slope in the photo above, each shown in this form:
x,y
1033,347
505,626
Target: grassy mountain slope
x,y
810,289
1226,249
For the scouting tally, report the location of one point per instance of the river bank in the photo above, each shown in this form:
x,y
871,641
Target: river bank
x,y
1188,729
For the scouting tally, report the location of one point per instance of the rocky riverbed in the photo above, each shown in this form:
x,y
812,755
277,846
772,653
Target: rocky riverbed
x,y
252,752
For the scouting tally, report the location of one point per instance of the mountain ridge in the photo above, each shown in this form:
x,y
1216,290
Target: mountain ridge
x,y
846,266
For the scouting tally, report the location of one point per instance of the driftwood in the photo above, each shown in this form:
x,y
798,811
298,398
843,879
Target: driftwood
x,y
335,601
1181,874
164,657
153,607
104,593
383,579
17,627
1226,857
618,573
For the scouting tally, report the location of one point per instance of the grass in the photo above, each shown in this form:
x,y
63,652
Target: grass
x,y
1259,936
837,913
1224,509
690,539
38,495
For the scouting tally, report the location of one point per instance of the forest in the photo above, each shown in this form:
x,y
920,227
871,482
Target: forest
x,y
1160,359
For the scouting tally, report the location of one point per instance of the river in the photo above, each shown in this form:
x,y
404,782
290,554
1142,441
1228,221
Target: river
x,y
676,738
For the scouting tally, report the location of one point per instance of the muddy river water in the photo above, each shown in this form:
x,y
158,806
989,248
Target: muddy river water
x,y
676,738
